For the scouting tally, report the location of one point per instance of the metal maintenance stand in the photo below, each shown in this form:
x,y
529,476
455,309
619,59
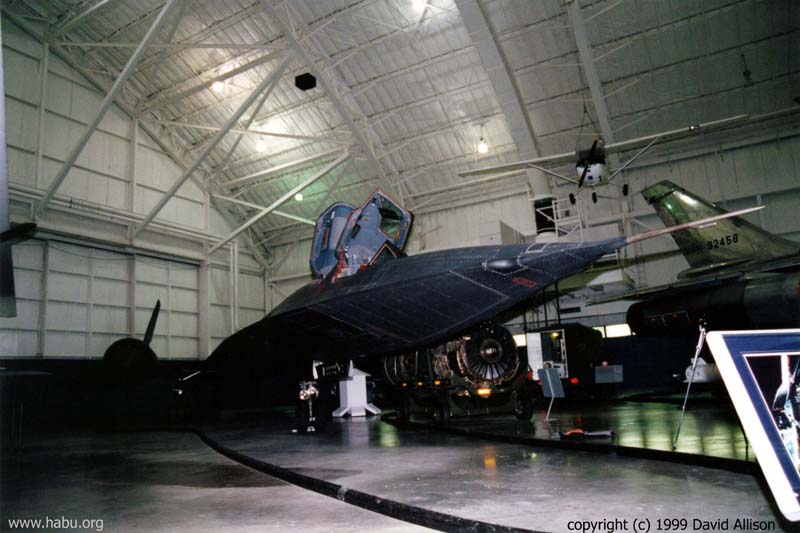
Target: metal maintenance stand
x,y
353,395
551,387
309,391
700,342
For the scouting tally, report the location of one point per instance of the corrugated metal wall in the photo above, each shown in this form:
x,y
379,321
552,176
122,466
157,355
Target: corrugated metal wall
x,y
74,301
76,298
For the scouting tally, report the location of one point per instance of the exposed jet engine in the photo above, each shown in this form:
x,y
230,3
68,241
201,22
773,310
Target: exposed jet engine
x,y
487,356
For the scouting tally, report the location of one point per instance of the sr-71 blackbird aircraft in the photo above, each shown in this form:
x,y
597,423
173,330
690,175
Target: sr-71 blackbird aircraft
x,y
369,299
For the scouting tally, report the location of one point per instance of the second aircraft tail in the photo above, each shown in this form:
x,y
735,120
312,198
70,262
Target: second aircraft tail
x,y
726,243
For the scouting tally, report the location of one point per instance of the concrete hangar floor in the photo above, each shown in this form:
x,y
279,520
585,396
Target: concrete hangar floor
x,y
479,474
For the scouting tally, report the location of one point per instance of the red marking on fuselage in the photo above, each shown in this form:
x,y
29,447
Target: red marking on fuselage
x,y
525,282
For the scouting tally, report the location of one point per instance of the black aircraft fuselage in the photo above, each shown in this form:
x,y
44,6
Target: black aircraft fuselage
x,y
371,300
410,302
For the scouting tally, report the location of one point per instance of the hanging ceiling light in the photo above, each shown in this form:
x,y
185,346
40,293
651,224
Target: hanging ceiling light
x,y
217,86
261,146
298,197
483,148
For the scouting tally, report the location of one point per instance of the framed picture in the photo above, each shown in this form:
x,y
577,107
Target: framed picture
x,y
761,370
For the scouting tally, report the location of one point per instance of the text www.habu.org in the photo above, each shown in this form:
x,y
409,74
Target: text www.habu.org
x,y
60,522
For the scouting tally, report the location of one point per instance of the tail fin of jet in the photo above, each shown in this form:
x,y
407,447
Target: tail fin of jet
x,y
726,243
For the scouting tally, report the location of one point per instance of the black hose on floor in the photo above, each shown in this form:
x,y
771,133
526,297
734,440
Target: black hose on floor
x,y
401,511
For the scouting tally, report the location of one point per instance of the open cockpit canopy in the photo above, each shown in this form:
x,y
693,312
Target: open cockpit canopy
x,y
351,239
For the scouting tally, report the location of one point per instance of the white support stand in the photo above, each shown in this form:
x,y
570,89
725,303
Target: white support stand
x,y
353,396
551,388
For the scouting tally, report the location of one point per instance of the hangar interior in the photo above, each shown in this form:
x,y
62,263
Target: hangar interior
x,y
169,151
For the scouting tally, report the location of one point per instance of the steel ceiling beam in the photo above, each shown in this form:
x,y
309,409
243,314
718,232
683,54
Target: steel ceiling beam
x,y
168,46
323,201
265,83
257,133
108,101
246,180
589,68
280,201
321,24
169,35
257,255
322,79
215,28
154,102
73,22
223,164
505,88
284,214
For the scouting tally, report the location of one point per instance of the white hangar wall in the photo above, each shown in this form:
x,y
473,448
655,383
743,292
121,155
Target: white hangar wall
x,y
81,286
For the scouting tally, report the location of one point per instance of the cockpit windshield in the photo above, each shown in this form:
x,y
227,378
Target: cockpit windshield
x,y
391,219
375,232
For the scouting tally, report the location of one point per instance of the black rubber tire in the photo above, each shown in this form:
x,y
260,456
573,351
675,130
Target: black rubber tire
x,y
594,197
572,199
625,190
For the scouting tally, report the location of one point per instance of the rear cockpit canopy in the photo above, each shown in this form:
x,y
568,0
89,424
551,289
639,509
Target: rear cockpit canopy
x,y
351,239
327,234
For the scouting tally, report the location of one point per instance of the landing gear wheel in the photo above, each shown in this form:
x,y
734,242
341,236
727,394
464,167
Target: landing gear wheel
x,y
523,408
594,197
572,199
625,190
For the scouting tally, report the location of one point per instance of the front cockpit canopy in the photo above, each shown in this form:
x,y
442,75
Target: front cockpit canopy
x,y
351,239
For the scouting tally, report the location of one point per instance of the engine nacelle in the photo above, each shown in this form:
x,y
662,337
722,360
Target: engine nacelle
x,y
486,356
